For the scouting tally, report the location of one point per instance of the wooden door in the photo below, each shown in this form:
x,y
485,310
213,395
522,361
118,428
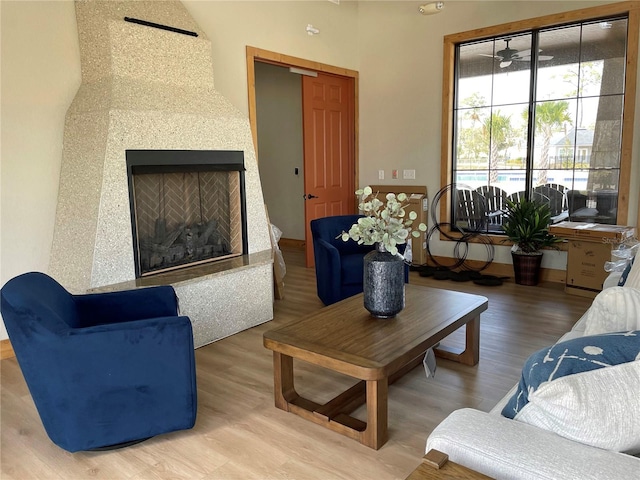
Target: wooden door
x,y
329,150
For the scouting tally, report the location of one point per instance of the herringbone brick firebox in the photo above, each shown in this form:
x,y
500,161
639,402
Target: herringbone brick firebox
x,y
186,207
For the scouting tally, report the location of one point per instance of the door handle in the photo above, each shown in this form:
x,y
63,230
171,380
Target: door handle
x,y
309,196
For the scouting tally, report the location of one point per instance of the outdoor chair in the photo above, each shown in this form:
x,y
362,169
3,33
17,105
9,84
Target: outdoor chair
x,y
556,201
471,211
578,210
496,204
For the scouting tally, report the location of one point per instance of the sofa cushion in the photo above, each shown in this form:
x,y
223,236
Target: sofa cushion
x,y
585,389
613,310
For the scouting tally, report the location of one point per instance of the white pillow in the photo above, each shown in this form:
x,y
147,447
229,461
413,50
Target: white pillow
x,y
613,310
599,408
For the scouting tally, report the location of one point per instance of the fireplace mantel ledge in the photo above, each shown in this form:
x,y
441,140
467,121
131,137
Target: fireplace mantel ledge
x,y
186,275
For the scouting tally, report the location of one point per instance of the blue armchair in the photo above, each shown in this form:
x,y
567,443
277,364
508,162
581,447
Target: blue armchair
x,y
103,369
339,264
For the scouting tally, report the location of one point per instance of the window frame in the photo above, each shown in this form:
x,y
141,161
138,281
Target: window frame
x,y
631,9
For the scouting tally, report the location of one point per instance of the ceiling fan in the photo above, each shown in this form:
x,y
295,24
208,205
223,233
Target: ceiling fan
x,y
509,55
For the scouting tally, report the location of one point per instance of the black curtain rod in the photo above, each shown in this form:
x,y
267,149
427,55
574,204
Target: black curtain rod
x,y
162,27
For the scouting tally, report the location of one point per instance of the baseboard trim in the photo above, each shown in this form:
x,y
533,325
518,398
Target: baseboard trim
x,y
6,350
291,243
506,270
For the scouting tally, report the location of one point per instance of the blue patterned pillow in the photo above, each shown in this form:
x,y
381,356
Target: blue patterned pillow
x,y
573,356
625,273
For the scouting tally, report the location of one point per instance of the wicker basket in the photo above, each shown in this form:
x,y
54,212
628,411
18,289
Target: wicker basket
x,y
526,267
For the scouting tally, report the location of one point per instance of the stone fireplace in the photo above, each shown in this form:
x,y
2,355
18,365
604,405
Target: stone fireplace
x,y
146,88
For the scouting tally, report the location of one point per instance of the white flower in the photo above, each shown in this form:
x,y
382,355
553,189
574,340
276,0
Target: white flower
x,y
387,225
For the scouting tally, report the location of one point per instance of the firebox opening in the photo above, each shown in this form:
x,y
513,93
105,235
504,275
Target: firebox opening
x,y
187,207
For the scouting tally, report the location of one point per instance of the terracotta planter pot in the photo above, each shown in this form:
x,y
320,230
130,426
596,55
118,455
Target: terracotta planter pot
x,y
526,268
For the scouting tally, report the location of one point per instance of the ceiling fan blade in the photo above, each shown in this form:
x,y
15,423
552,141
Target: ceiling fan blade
x,y
528,58
490,56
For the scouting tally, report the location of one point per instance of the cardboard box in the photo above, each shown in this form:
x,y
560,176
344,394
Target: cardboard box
x,y
589,247
585,264
417,203
592,231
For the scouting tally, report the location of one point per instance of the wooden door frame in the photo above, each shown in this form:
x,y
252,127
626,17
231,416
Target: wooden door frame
x,y
256,54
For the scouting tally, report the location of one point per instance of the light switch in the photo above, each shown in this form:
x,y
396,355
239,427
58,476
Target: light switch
x,y
409,174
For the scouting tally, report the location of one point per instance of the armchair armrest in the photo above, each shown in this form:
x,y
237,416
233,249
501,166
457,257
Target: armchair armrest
x,y
124,306
503,448
147,365
328,274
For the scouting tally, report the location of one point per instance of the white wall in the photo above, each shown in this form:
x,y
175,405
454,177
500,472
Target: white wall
x,y
280,148
40,76
397,51
278,27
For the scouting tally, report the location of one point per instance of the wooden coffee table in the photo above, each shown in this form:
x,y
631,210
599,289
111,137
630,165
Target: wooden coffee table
x,y
343,337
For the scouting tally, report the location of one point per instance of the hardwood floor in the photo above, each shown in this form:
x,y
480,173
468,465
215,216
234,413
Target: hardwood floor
x,y
239,434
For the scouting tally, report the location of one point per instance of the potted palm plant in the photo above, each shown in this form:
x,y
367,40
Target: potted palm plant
x,y
526,224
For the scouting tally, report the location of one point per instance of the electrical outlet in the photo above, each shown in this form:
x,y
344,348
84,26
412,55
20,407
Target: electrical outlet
x,y
380,174
409,174
394,174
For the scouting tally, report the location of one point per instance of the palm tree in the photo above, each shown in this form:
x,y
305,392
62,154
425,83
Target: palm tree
x,y
472,143
550,118
499,129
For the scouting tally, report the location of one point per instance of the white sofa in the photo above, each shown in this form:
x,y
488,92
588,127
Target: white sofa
x,y
508,449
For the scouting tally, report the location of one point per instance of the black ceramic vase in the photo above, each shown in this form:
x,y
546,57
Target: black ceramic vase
x,y
383,283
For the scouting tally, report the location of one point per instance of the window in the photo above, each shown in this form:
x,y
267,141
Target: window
x,y
537,111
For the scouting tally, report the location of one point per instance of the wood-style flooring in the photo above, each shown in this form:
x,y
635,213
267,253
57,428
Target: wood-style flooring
x,y
239,434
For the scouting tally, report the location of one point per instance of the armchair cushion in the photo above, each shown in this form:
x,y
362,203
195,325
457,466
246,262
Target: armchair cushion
x,y
124,306
351,268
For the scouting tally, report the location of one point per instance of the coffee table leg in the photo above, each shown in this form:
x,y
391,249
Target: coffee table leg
x,y
283,389
471,354
375,435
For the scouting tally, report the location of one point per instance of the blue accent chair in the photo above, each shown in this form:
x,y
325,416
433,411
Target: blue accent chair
x,y
339,264
103,369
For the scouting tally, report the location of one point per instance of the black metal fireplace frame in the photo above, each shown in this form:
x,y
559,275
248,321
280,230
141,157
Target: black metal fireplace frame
x,y
174,161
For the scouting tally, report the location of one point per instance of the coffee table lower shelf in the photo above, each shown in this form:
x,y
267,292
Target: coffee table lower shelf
x,y
334,414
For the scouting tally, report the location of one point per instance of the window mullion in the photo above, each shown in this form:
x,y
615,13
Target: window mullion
x,y
531,121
